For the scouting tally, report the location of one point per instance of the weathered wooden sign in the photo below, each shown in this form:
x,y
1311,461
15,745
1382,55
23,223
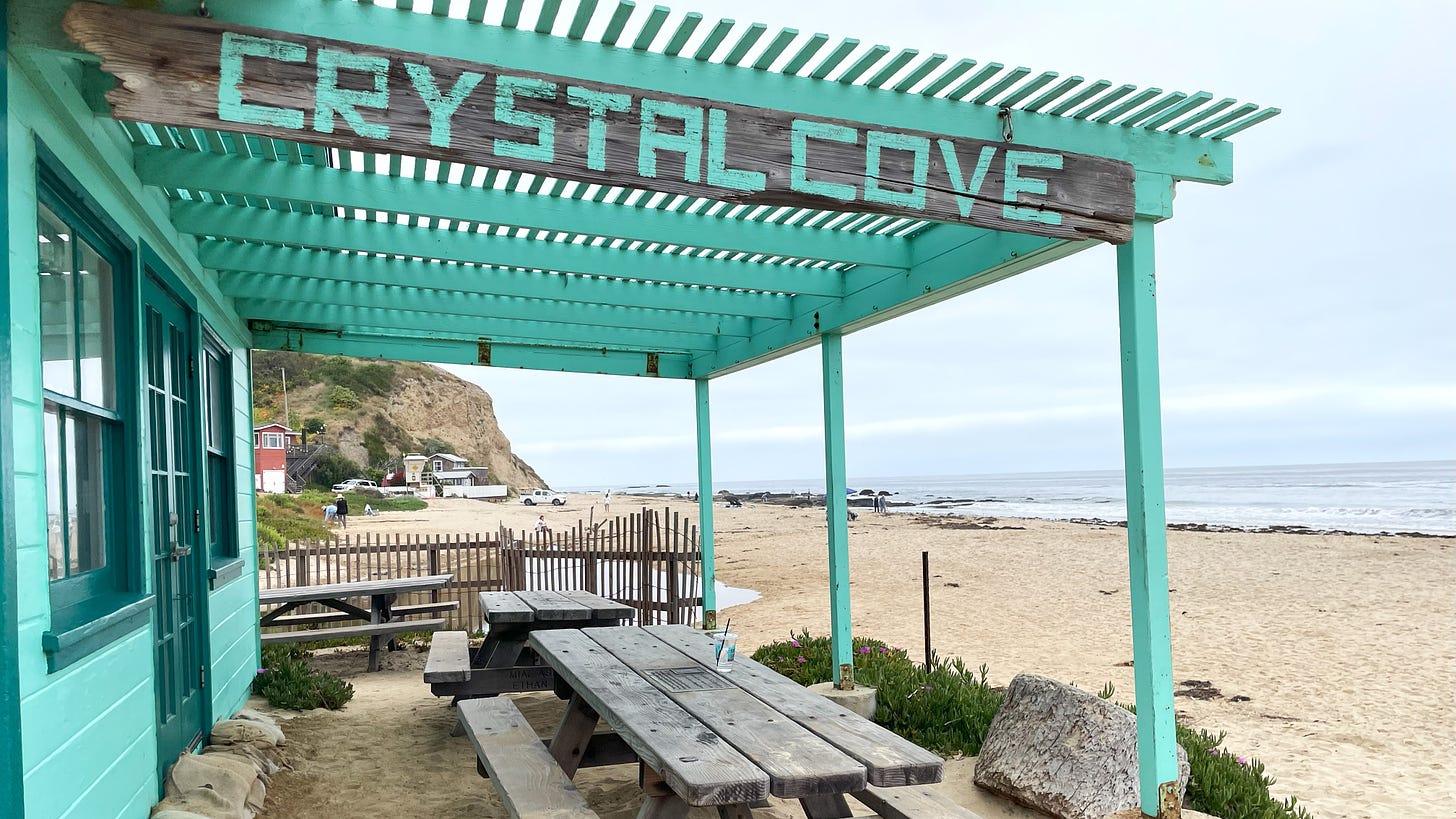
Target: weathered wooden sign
x,y
195,72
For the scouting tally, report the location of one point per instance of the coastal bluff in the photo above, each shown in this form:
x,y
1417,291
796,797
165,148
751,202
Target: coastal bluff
x,y
373,411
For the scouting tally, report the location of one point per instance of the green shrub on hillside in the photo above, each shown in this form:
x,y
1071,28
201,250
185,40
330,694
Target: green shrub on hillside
x,y
343,398
948,708
332,468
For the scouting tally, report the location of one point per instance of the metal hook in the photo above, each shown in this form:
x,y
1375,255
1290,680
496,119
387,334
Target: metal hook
x,y
1005,117
202,9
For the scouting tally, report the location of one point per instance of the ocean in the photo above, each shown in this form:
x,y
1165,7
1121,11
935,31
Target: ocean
x,y
1417,496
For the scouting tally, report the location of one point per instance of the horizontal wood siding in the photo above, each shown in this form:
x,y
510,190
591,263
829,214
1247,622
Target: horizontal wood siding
x,y
89,742
78,740
233,608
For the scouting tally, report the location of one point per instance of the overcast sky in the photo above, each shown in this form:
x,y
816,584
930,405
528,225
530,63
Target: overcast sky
x,y
1307,312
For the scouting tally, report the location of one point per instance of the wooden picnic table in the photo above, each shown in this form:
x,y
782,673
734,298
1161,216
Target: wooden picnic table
x,y
382,620
504,663
702,738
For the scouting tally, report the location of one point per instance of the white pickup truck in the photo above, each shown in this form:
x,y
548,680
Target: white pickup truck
x,y
536,496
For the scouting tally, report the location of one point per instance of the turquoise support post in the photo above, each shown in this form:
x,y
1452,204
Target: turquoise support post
x,y
1147,542
705,505
12,768
837,510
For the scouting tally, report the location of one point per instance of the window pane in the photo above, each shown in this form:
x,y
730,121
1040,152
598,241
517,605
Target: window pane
x,y
57,304
55,517
217,392
98,370
85,489
221,524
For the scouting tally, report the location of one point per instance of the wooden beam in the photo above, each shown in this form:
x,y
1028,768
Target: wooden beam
x,y
704,429
37,24
434,325
1147,537
334,233
318,298
591,131
836,508
244,267
512,355
236,176
952,267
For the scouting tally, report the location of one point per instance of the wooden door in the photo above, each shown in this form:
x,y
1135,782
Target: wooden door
x,y
173,434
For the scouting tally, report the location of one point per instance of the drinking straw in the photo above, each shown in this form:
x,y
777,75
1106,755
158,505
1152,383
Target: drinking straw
x,y
718,652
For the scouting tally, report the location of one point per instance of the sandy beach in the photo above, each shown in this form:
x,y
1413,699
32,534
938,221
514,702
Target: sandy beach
x,y
1332,658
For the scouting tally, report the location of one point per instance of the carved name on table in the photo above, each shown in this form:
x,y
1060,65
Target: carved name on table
x,y
195,72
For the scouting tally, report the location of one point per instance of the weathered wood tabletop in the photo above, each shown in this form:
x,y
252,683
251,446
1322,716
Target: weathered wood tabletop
x,y
728,739
503,663
360,588
381,620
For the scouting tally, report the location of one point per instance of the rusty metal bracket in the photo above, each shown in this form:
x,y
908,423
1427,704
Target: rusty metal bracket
x,y
652,363
710,620
846,677
1169,805
482,351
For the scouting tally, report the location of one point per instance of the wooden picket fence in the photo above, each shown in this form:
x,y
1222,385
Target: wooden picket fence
x,y
649,561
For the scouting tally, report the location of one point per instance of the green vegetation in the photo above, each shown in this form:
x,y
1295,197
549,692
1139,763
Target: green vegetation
x,y
343,398
948,708
285,518
431,446
332,468
287,681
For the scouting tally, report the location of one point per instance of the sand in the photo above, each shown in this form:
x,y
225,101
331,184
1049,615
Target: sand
x,y
1343,645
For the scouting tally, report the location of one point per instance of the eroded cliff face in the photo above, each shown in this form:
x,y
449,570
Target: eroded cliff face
x,y
428,402
408,408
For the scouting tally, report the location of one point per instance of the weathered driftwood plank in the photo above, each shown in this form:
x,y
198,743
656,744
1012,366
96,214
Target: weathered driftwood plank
x,y
531,784
196,72
505,607
601,607
359,588
698,764
797,762
549,605
369,630
487,682
449,659
912,802
890,759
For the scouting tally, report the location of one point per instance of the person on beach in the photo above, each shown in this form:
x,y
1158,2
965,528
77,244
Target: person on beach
x,y
607,501
541,527
329,512
341,511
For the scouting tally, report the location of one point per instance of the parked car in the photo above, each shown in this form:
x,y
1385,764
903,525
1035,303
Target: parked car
x,y
536,496
355,483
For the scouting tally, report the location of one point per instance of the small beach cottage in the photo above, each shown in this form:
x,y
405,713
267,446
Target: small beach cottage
x,y
270,456
591,187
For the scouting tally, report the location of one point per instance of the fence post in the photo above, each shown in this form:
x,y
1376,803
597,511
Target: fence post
x,y
673,617
303,565
432,565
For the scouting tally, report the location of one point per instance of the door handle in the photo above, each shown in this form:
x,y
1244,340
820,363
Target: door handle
x,y
179,551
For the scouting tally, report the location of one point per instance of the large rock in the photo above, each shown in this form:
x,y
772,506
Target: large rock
x,y
1063,751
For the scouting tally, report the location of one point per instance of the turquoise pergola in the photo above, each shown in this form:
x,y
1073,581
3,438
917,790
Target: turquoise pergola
x,y
334,250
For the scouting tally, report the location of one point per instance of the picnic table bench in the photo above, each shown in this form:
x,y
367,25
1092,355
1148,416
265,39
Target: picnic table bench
x,y
382,620
504,663
700,737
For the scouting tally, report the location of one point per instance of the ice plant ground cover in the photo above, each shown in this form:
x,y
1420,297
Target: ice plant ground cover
x,y
947,708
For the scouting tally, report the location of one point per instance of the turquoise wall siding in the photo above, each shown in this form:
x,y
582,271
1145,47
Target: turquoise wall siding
x,y
88,747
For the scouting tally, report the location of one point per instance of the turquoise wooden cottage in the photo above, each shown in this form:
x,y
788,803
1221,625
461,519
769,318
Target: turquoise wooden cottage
x,y
598,189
